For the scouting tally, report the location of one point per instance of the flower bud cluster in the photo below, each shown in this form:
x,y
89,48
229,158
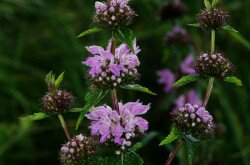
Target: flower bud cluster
x,y
194,121
212,19
177,35
114,13
57,102
214,65
108,70
73,152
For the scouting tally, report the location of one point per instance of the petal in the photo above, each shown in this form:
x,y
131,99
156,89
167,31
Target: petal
x,y
94,49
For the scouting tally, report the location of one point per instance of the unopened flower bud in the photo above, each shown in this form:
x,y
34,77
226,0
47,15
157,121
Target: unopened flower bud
x,y
215,65
57,102
212,19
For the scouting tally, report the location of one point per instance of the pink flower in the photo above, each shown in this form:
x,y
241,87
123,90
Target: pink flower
x,y
117,67
185,66
191,97
118,126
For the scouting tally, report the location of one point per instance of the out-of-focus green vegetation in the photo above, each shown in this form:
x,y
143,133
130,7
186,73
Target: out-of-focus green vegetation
x,y
37,36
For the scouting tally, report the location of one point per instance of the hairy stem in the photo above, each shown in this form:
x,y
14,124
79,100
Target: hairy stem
x,y
173,153
64,126
211,80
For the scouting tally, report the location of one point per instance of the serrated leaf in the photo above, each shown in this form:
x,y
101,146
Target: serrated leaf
x,y
92,98
207,4
214,3
194,25
234,80
89,31
173,135
59,80
125,35
137,146
229,28
50,78
138,87
186,79
35,116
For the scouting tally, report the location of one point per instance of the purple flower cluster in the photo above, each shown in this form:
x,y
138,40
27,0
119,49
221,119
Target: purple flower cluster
x,y
108,69
194,121
118,126
113,14
167,77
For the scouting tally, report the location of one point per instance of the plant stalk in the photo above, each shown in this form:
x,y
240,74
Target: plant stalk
x,y
64,126
122,158
211,80
173,153
114,100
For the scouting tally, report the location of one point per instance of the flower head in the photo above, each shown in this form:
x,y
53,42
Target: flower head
x,y
109,70
167,78
78,148
172,10
213,18
114,13
57,102
215,65
194,121
118,126
177,35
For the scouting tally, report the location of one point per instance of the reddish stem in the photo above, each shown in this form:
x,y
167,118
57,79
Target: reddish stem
x,y
173,153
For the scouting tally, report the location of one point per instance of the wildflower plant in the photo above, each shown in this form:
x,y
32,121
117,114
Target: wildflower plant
x,y
114,128
192,122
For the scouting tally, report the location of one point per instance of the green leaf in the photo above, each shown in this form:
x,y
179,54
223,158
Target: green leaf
x,y
137,146
35,116
214,3
125,35
207,4
138,87
192,147
234,80
174,134
186,79
229,28
59,80
89,31
194,25
92,98
50,78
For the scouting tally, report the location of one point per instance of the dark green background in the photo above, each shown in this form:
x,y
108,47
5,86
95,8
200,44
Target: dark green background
x,y
37,36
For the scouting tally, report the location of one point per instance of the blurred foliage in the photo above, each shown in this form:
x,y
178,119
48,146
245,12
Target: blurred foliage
x,y
38,36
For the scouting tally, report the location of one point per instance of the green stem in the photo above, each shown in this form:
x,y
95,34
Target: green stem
x,y
64,126
211,80
122,158
212,41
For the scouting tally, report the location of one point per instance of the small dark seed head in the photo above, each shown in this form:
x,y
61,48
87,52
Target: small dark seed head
x,y
57,102
215,65
212,19
172,10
